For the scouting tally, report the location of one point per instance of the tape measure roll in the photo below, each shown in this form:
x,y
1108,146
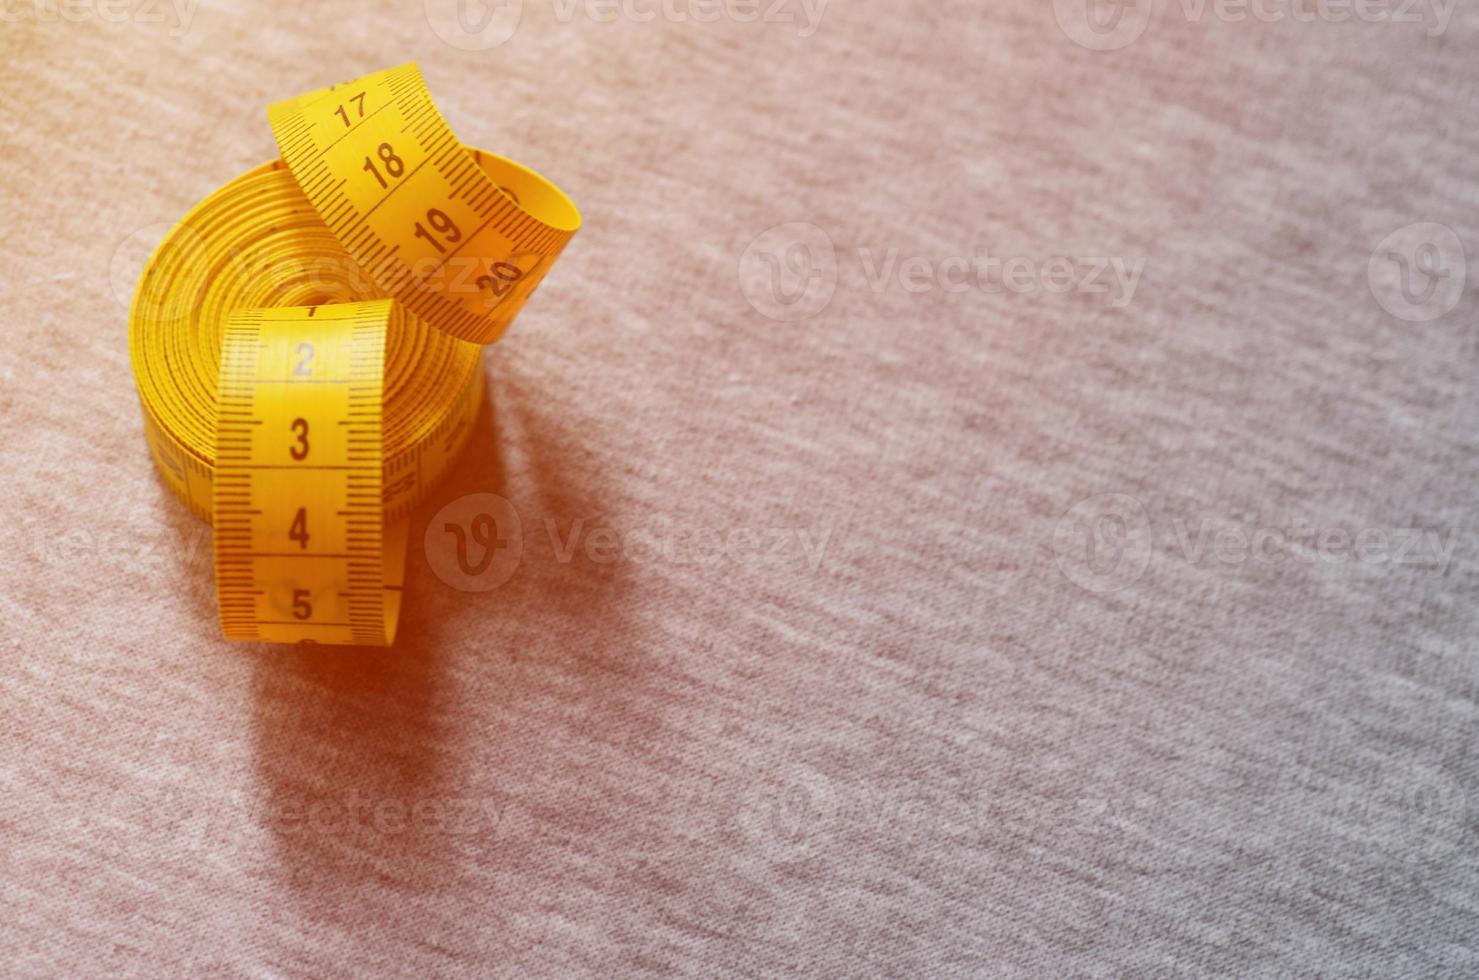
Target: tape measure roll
x,y
258,243
307,483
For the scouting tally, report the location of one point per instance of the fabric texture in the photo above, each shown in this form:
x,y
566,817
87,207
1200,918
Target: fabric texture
x,y
988,492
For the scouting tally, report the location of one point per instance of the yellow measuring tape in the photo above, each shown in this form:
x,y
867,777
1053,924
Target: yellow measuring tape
x,y
304,343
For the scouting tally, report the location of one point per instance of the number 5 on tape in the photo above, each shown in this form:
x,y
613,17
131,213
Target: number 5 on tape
x,y
302,548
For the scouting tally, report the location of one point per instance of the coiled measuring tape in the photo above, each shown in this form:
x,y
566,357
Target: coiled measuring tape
x,y
305,347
